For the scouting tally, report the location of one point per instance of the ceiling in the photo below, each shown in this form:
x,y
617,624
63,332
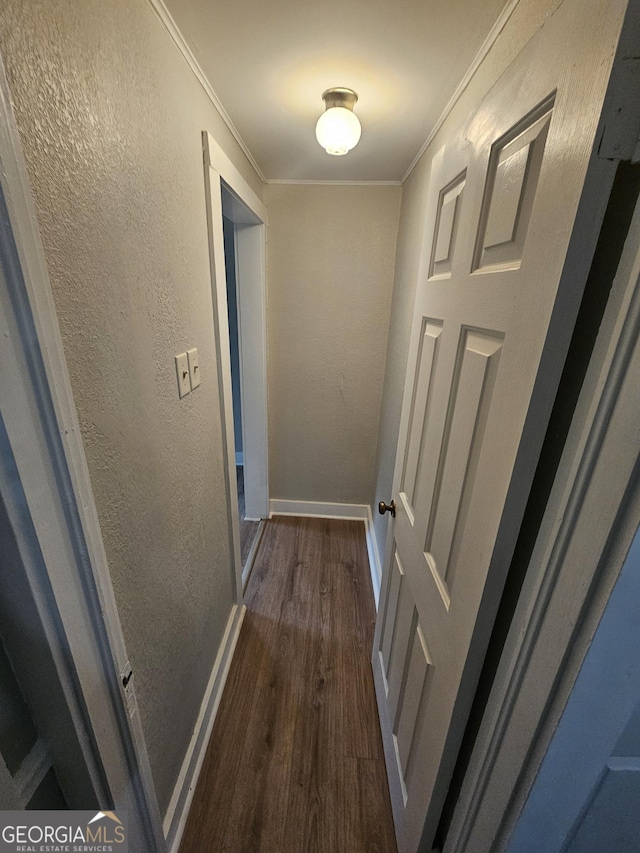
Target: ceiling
x,y
269,61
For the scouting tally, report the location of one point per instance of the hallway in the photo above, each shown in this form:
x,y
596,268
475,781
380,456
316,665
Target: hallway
x,y
295,761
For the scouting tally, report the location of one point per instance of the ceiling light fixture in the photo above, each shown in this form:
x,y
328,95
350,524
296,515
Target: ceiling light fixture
x,y
338,129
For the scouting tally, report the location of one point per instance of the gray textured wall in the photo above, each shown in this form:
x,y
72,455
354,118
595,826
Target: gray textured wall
x,y
528,17
330,254
111,119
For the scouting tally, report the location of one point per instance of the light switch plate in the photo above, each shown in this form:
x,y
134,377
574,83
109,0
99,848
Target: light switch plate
x,y
182,371
194,367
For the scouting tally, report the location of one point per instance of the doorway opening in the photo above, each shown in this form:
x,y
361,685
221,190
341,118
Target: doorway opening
x,y
250,528
236,220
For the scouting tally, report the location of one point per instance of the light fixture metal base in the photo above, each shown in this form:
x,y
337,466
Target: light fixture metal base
x,y
338,96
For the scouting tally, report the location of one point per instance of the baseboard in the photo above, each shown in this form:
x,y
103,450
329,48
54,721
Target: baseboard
x,y
176,816
240,457
375,564
318,509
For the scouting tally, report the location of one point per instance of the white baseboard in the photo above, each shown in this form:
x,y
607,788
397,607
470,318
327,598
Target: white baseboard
x,y
375,564
318,509
352,512
239,457
176,816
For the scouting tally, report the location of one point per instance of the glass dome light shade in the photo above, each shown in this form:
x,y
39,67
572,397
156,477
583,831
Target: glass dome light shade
x,y
338,130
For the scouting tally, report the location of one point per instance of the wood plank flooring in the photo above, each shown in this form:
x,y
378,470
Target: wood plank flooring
x,y
295,762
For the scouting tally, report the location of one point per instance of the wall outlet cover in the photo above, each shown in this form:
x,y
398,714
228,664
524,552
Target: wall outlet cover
x,y
182,371
194,367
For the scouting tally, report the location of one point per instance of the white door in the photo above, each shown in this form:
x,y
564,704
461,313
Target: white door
x,y
493,317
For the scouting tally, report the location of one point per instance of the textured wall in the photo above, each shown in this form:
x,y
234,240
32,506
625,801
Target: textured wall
x,y
330,258
111,117
528,17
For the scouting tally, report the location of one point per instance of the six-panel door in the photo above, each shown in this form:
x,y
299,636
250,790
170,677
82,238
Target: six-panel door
x,y
492,305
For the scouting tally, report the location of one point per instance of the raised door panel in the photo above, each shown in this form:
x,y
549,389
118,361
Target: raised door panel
x,y
413,699
407,670
474,380
396,638
418,444
446,229
510,190
391,609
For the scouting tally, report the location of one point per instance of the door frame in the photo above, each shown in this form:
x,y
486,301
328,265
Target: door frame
x,y
226,187
51,508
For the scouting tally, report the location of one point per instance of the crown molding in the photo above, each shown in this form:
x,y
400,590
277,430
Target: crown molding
x,y
179,40
481,55
335,183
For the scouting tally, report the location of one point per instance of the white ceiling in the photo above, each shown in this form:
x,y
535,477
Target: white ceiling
x,y
270,60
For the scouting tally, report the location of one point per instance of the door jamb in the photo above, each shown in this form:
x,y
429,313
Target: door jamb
x,y
44,450
222,176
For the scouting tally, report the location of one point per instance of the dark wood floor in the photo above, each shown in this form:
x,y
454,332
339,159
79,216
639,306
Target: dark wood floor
x,y
248,529
295,762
